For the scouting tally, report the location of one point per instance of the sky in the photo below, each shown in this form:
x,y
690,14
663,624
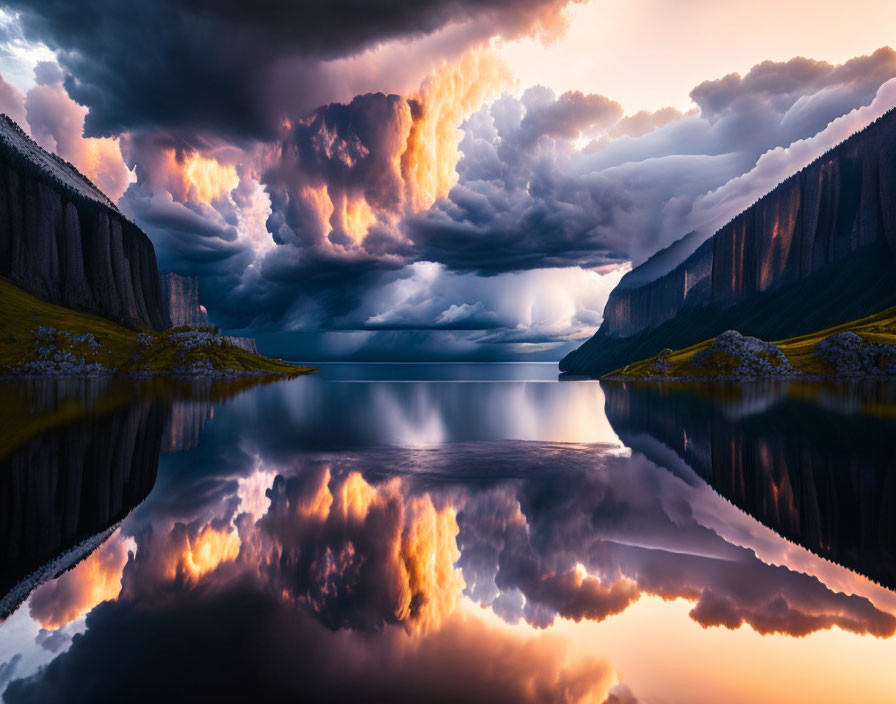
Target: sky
x,y
435,180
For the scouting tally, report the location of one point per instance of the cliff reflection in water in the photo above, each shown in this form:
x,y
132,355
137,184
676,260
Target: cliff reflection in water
x,y
816,465
430,538
76,457
63,489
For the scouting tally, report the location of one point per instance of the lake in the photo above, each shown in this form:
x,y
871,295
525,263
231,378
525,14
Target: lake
x,y
447,533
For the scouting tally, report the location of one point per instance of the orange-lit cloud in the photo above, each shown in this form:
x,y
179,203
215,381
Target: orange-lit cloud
x,y
192,177
329,542
362,166
95,579
444,100
56,122
203,553
208,550
354,216
208,180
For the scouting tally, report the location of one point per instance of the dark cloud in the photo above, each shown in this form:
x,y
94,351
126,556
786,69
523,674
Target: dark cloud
x,y
234,642
332,556
55,641
232,68
349,150
311,207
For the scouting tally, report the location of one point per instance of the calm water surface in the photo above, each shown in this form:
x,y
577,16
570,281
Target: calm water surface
x,y
447,533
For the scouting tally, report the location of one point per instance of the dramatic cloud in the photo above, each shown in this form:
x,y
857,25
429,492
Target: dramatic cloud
x,y
520,204
360,556
12,102
719,206
332,555
363,556
240,69
466,660
590,545
55,121
348,171
94,580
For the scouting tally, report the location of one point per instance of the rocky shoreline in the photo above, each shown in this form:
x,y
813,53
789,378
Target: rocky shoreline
x,y
177,353
732,357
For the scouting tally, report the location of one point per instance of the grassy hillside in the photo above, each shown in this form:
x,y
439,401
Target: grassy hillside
x,y
38,333
856,286
680,364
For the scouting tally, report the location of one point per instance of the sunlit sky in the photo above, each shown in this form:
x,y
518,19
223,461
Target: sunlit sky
x,y
648,54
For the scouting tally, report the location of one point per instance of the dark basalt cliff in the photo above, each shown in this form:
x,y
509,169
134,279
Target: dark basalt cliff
x,y
823,479
68,485
64,241
830,222
180,295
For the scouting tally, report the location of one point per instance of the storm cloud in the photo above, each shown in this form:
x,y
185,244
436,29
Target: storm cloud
x,y
237,69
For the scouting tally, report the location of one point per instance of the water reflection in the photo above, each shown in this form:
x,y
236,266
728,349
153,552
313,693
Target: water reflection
x,y
370,531
803,461
62,491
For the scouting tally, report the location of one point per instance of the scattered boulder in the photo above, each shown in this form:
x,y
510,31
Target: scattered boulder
x,y
736,356
193,339
852,356
661,364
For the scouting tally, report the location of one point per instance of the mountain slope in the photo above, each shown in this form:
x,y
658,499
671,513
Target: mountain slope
x,y
774,271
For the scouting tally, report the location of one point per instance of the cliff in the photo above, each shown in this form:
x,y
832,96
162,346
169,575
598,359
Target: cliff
x,y
823,479
244,343
64,241
180,295
766,271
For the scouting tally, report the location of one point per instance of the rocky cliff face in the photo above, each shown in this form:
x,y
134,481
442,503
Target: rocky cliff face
x,y
244,343
823,479
181,298
841,204
64,241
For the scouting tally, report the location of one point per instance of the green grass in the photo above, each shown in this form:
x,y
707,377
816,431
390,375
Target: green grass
x,y
120,348
877,328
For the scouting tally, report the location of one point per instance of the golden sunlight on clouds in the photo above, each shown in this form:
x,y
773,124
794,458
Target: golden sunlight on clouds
x,y
99,158
416,156
423,552
428,553
655,655
206,179
208,550
445,99
354,217
402,550
355,496
318,199
94,580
